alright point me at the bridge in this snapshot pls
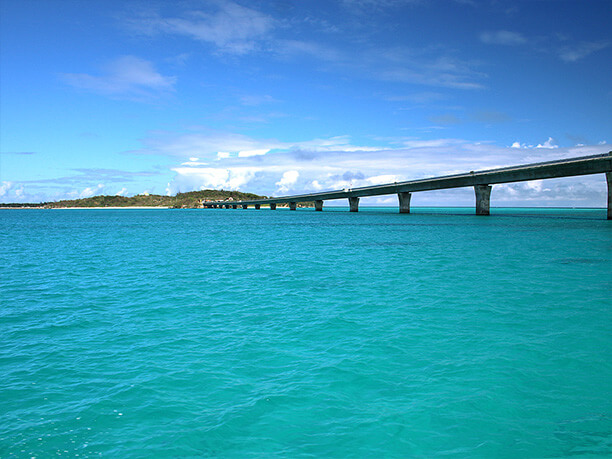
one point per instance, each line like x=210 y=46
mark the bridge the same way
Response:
x=482 y=182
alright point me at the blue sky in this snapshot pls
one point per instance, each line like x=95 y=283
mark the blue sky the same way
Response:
x=282 y=97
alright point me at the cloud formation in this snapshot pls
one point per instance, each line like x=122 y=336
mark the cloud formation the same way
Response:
x=288 y=179
x=550 y=144
x=91 y=191
x=229 y=27
x=5 y=187
x=502 y=37
x=335 y=163
x=126 y=77
x=238 y=30
x=581 y=50
x=430 y=69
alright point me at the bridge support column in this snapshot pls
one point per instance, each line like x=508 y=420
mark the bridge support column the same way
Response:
x=273 y=206
x=227 y=206
x=318 y=205
x=245 y=206
x=292 y=205
x=404 y=202
x=609 y=180
x=483 y=199
x=234 y=206
x=257 y=206
x=354 y=204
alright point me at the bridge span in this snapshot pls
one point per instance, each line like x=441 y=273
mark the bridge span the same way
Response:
x=482 y=182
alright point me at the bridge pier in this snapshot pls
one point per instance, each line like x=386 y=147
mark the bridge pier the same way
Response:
x=273 y=206
x=404 y=202
x=483 y=199
x=257 y=206
x=609 y=180
x=245 y=206
x=354 y=204
x=292 y=205
x=234 y=206
x=318 y=205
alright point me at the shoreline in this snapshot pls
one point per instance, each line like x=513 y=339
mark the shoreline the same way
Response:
x=284 y=207
x=91 y=208
x=109 y=207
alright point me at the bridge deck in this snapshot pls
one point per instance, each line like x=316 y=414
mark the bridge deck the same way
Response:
x=584 y=165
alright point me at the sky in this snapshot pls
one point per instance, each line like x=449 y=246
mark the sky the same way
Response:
x=283 y=97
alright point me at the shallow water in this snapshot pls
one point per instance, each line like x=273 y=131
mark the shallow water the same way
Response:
x=232 y=333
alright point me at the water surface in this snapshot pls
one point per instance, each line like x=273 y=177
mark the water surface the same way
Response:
x=232 y=333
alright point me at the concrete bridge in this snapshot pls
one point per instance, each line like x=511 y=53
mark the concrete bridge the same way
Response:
x=482 y=182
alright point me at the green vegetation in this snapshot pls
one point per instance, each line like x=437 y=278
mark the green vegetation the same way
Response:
x=191 y=199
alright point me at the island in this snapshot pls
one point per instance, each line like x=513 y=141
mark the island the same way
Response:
x=188 y=200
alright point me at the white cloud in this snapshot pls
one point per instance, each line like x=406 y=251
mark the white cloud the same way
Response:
x=502 y=37
x=207 y=145
x=382 y=179
x=5 y=188
x=288 y=179
x=121 y=192
x=236 y=29
x=258 y=152
x=127 y=77
x=224 y=145
x=571 y=191
x=422 y=67
x=581 y=50
x=336 y=163
x=15 y=192
x=91 y=191
x=417 y=143
x=194 y=163
x=230 y=27
x=299 y=48
x=197 y=178
x=550 y=143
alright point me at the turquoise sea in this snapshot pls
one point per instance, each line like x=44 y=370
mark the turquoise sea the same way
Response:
x=257 y=334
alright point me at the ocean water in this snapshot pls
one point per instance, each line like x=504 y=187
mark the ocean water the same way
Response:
x=247 y=334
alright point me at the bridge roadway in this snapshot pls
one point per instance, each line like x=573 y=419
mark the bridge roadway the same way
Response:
x=480 y=180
